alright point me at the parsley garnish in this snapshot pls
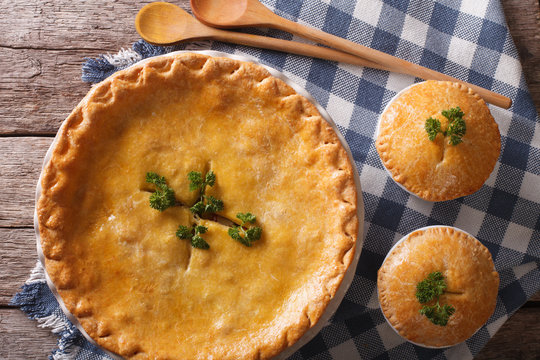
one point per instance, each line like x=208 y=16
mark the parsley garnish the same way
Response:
x=193 y=234
x=433 y=127
x=243 y=235
x=163 y=197
x=438 y=314
x=456 y=126
x=431 y=289
x=206 y=203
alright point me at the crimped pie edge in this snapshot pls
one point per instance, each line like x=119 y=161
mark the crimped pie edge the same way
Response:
x=56 y=173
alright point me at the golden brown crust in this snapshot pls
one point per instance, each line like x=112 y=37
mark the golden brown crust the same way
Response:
x=116 y=263
x=435 y=170
x=472 y=285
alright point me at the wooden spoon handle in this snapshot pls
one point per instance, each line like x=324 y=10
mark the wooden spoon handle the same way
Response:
x=384 y=60
x=292 y=47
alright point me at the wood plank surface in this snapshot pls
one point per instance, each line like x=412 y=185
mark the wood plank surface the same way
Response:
x=516 y=339
x=20 y=165
x=42 y=47
x=39 y=88
x=21 y=339
x=17 y=258
x=523 y=18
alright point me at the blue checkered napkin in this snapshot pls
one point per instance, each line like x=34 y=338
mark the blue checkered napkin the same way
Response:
x=466 y=39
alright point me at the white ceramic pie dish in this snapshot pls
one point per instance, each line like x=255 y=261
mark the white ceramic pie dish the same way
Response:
x=347 y=280
x=389 y=252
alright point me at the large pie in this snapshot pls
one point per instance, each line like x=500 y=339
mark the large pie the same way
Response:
x=136 y=288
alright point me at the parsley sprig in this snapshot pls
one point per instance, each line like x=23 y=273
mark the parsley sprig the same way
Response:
x=206 y=203
x=438 y=314
x=431 y=289
x=433 y=127
x=456 y=126
x=193 y=234
x=163 y=197
x=246 y=236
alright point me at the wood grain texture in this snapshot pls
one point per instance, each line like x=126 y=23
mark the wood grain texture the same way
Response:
x=20 y=165
x=523 y=18
x=516 y=339
x=42 y=47
x=535 y=300
x=20 y=338
x=39 y=88
x=17 y=258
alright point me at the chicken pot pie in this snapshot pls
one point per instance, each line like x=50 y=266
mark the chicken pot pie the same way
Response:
x=438 y=140
x=141 y=291
x=438 y=286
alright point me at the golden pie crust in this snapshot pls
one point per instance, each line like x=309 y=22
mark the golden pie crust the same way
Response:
x=139 y=291
x=436 y=170
x=472 y=285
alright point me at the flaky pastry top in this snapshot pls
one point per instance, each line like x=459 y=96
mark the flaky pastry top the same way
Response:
x=143 y=293
x=436 y=170
x=471 y=279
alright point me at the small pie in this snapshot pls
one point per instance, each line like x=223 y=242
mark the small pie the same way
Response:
x=471 y=285
x=436 y=170
x=136 y=288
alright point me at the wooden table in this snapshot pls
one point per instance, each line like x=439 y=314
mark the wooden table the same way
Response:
x=43 y=44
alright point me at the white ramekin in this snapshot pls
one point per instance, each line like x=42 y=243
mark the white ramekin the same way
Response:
x=386 y=257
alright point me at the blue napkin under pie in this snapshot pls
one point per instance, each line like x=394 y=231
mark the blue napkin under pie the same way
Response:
x=465 y=39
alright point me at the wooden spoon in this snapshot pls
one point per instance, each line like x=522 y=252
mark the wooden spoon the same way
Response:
x=162 y=23
x=245 y=13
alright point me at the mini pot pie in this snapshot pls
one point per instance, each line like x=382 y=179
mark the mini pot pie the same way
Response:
x=438 y=140
x=437 y=286
x=136 y=288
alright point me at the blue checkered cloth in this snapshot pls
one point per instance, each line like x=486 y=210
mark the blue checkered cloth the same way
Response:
x=466 y=39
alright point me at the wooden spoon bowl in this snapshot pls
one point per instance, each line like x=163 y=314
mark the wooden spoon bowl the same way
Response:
x=222 y=14
x=164 y=23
